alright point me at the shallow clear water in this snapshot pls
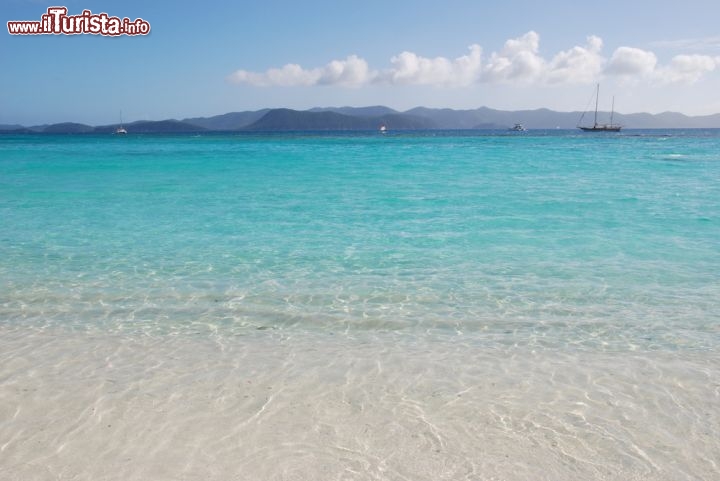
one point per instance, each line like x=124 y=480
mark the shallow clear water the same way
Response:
x=404 y=306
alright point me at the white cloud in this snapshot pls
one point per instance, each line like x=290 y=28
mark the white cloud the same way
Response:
x=519 y=61
x=410 y=68
x=287 y=76
x=577 y=65
x=353 y=71
x=629 y=61
x=688 y=68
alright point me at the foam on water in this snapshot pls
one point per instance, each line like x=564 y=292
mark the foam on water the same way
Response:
x=452 y=306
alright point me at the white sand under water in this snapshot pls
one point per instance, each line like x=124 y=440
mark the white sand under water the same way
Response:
x=285 y=405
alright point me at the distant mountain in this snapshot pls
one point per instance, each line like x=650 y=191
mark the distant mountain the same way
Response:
x=423 y=118
x=288 y=120
x=61 y=128
x=549 y=119
x=669 y=120
x=140 y=127
x=229 y=121
x=318 y=118
x=39 y=128
x=153 y=127
x=68 y=128
x=21 y=130
x=405 y=121
x=373 y=111
x=452 y=119
x=484 y=117
x=370 y=118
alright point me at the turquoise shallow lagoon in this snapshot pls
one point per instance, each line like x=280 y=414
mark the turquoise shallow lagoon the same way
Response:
x=448 y=305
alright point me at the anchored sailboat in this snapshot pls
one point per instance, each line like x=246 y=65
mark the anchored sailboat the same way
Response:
x=121 y=130
x=596 y=127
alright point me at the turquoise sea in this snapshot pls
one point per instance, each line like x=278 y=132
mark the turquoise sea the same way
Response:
x=408 y=306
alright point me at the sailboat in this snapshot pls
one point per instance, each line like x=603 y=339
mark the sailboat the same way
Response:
x=596 y=127
x=121 y=130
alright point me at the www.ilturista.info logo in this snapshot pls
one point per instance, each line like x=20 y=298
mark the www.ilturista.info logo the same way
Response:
x=57 y=22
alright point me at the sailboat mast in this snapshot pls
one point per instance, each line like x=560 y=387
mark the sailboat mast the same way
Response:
x=597 y=96
x=611 y=127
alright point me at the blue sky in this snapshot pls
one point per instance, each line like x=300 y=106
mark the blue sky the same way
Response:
x=212 y=57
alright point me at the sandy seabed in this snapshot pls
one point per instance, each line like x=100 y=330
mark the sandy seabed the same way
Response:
x=284 y=405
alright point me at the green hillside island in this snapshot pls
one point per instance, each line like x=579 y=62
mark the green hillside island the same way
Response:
x=371 y=118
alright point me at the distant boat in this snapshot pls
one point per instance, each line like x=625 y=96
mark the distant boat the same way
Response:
x=596 y=127
x=383 y=128
x=120 y=130
x=518 y=128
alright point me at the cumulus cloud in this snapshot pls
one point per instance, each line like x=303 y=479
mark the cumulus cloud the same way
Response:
x=629 y=61
x=287 y=76
x=410 y=68
x=688 y=68
x=518 y=61
x=577 y=65
x=351 y=72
